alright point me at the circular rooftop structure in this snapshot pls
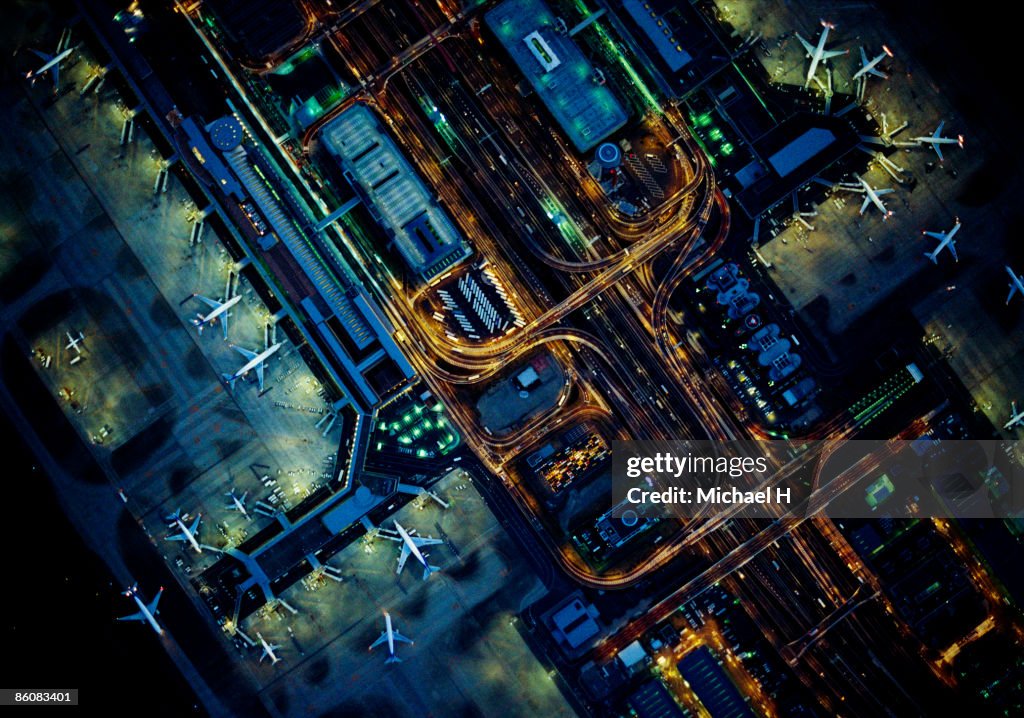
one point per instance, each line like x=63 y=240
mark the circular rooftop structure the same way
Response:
x=225 y=133
x=609 y=155
x=629 y=518
x=363 y=496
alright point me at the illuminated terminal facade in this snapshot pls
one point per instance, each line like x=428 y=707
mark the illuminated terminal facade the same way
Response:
x=586 y=109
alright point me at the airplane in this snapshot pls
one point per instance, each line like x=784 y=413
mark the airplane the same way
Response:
x=819 y=53
x=411 y=546
x=255 y=362
x=268 y=649
x=868 y=67
x=1016 y=284
x=220 y=309
x=936 y=139
x=390 y=636
x=945 y=240
x=73 y=342
x=1016 y=417
x=51 y=63
x=871 y=195
x=185 y=533
x=237 y=502
x=147 y=611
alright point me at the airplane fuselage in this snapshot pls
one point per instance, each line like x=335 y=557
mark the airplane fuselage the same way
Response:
x=411 y=545
x=391 y=633
x=1016 y=284
x=150 y=618
x=239 y=506
x=256 y=361
x=268 y=650
x=208 y=318
x=56 y=60
x=869 y=67
x=947 y=238
x=189 y=536
x=873 y=195
x=817 y=55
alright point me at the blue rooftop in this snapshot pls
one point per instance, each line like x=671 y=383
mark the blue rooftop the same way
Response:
x=800 y=150
x=561 y=76
x=660 y=34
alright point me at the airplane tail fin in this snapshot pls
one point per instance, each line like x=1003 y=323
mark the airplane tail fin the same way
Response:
x=932 y=256
x=428 y=569
x=393 y=659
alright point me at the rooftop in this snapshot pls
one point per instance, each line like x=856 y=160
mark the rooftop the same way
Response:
x=422 y=231
x=560 y=74
x=711 y=684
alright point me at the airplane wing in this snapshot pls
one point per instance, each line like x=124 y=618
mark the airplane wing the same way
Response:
x=41 y=55
x=399 y=637
x=952 y=250
x=211 y=303
x=832 y=53
x=194 y=526
x=137 y=616
x=938 y=130
x=863 y=58
x=807 y=46
x=938 y=150
x=864 y=205
x=55 y=74
x=936 y=235
x=177 y=537
x=382 y=640
x=244 y=352
x=224 y=324
x=403 y=557
x=153 y=605
x=421 y=541
x=259 y=374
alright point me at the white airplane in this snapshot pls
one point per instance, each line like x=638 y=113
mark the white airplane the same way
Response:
x=1016 y=417
x=819 y=53
x=390 y=636
x=945 y=240
x=51 y=63
x=936 y=139
x=237 y=502
x=268 y=649
x=147 y=611
x=220 y=309
x=255 y=362
x=411 y=546
x=185 y=533
x=73 y=342
x=869 y=67
x=871 y=195
x=1016 y=284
